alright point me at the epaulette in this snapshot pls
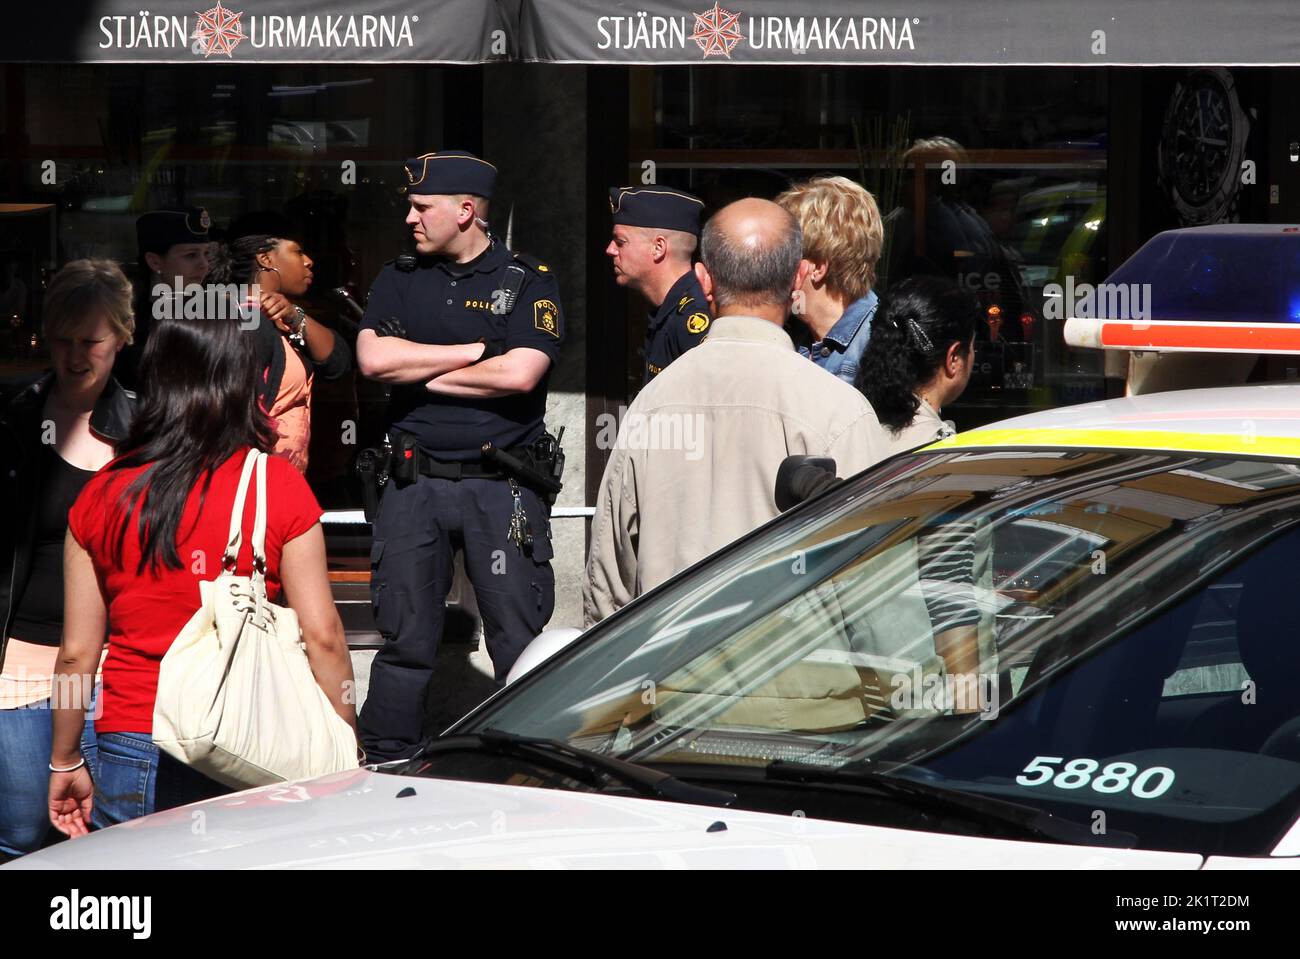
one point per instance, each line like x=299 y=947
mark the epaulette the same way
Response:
x=534 y=264
x=406 y=263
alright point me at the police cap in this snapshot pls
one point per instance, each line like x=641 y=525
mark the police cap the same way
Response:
x=448 y=173
x=159 y=230
x=656 y=207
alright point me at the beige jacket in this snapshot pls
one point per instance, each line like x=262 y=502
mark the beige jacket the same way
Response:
x=694 y=466
x=926 y=427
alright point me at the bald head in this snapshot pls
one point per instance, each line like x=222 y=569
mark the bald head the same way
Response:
x=751 y=250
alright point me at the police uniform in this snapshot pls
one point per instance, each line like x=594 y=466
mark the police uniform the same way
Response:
x=420 y=524
x=156 y=232
x=679 y=322
x=683 y=318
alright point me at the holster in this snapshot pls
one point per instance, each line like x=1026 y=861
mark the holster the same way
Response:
x=373 y=466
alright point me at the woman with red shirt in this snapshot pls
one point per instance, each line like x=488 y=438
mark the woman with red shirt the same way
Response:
x=143 y=534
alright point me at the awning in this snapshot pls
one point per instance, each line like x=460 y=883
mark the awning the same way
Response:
x=258 y=31
x=934 y=32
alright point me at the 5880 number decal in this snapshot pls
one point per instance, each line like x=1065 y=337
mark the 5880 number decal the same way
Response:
x=1149 y=783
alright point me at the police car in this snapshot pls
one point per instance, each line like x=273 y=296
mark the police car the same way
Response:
x=1070 y=639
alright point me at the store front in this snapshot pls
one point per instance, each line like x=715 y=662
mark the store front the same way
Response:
x=1023 y=150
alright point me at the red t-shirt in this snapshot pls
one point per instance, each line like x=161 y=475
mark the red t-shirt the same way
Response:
x=146 y=612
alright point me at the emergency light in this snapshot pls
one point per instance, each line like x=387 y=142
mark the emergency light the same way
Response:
x=1229 y=288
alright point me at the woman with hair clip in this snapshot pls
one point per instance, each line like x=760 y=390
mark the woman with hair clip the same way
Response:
x=142 y=536
x=292 y=348
x=919 y=359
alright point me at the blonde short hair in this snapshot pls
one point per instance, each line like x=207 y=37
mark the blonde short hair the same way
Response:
x=84 y=289
x=480 y=204
x=680 y=243
x=842 y=228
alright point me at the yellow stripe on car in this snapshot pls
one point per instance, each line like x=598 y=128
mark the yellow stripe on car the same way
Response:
x=1245 y=443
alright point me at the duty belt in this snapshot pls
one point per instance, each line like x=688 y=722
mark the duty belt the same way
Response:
x=439 y=469
x=409 y=460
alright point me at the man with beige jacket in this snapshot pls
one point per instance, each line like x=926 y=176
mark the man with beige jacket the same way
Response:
x=695 y=463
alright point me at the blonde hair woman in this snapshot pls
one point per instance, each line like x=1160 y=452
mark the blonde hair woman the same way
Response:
x=54 y=436
x=843 y=236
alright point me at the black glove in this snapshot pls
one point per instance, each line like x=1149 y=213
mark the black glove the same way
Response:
x=390 y=326
x=491 y=348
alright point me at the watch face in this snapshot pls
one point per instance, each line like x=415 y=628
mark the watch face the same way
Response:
x=1199 y=138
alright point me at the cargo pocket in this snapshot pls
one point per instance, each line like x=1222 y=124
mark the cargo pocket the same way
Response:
x=542 y=577
x=378 y=587
x=539 y=524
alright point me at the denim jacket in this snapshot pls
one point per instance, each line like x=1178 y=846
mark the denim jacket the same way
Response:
x=840 y=351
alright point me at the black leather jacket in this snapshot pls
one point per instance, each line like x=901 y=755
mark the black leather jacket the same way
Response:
x=21 y=466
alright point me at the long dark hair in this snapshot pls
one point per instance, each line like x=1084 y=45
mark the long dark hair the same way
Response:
x=236 y=261
x=916 y=323
x=198 y=409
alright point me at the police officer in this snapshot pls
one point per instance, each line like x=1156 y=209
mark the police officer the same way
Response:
x=466 y=333
x=655 y=233
x=174 y=248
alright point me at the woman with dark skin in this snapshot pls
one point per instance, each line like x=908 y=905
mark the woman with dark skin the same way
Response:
x=292 y=347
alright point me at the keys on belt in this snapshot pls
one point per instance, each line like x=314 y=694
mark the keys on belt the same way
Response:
x=519 y=533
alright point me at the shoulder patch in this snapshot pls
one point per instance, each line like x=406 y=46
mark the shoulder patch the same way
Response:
x=534 y=264
x=697 y=323
x=684 y=302
x=546 y=317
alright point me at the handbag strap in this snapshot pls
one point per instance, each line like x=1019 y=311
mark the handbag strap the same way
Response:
x=259 y=520
x=235 y=540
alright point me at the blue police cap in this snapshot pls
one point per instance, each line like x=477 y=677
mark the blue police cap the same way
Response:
x=656 y=207
x=159 y=230
x=450 y=172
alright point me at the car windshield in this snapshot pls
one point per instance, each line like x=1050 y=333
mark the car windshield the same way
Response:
x=1108 y=638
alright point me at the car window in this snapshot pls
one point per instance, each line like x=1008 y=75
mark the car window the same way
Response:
x=1098 y=634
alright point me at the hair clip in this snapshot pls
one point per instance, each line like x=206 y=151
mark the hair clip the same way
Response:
x=918 y=334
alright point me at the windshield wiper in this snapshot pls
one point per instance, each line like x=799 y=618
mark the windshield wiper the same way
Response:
x=973 y=807
x=566 y=758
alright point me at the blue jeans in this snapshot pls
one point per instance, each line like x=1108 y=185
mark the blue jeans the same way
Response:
x=26 y=735
x=134 y=778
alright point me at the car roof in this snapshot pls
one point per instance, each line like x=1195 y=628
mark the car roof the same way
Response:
x=1255 y=420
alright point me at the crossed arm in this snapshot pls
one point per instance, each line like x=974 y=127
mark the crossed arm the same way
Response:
x=517 y=371
x=391 y=359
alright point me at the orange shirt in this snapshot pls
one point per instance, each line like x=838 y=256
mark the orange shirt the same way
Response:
x=291 y=410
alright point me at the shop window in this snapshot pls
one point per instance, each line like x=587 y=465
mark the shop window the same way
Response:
x=993 y=177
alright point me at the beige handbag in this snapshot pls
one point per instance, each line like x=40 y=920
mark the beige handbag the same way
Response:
x=237 y=700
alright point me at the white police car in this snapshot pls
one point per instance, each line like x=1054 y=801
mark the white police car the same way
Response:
x=1071 y=639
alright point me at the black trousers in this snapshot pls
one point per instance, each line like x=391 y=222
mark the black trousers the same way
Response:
x=416 y=532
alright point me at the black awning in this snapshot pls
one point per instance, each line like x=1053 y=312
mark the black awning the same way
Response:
x=258 y=31
x=932 y=32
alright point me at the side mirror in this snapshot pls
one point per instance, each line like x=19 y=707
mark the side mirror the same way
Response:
x=801 y=477
x=545 y=645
